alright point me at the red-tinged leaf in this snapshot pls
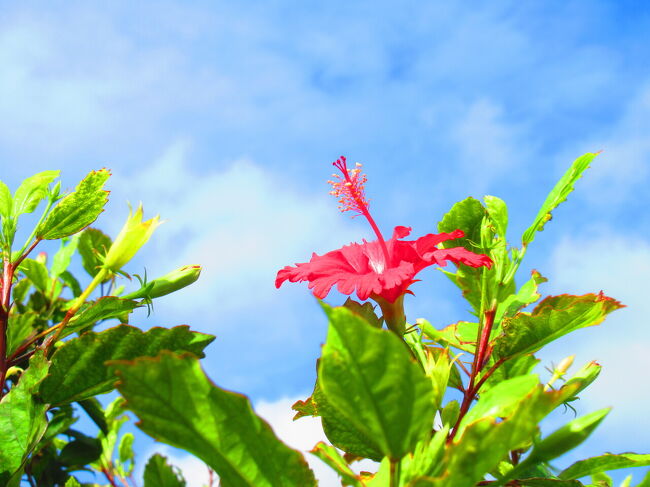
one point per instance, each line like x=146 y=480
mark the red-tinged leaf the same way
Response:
x=551 y=319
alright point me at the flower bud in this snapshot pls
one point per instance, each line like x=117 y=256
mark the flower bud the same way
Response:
x=132 y=237
x=175 y=280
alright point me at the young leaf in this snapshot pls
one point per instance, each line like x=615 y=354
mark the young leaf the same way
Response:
x=77 y=210
x=6 y=203
x=36 y=272
x=466 y=215
x=552 y=318
x=178 y=405
x=331 y=457
x=18 y=329
x=105 y=308
x=367 y=374
x=22 y=419
x=158 y=473
x=557 y=195
x=604 y=463
x=61 y=259
x=93 y=243
x=78 y=369
x=498 y=213
x=31 y=191
x=526 y=295
x=567 y=437
x=501 y=400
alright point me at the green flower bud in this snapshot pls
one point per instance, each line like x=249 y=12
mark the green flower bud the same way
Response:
x=132 y=237
x=175 y=280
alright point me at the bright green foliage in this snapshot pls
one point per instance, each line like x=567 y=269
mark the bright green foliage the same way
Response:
x=498 y=213
x=461 y=335
x=72 y=482
x=567 y=437
x=77 y=210
x=333 y=458
x=558 y=195
x=32 y=190
x=604 y=463
x=93 y=246
x=5 y=201
x=526 y=295
x=37 y=273
x=169 y=283
x=79 y=370
x=368 y=375
x=19 y=328
x=177 y=404
x=551 y=319
x=22 y=420
x=105 y=308
x=62 y=258
x=158 y=473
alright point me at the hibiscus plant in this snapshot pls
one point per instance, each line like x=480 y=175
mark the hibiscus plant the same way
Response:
x=440 y=406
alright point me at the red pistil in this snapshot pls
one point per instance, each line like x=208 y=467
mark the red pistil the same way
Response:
x=351 y=195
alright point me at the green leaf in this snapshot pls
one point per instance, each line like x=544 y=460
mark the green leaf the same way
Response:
x=542 y=482
x=425 y=460
x=36 y=272
x=81 y=451
x=331 y=457
x=178 y=405
x=72 y=482
x=365 y=310
x=158 y=473
x=557 y=195
x=22 y=419
x=6 y=201
x=604 y=463
x=526 y=295
x=125 y=448
x=462 y=467
x=77 y=210
x=501 y=400
x=461 y=335
x=105 y=308
x=61 y=259
x=567 y=437
x=466 y=215
x=646 y=481
x=449 y=414
x=552 y=318
x=95 y=412
x=498 y=213
x=71 y=281
x=93 y=246
x=31 y=191
x=367 y=374
x=78 y=369
x=20 y=326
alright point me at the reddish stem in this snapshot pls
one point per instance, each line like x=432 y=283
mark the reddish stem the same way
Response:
x=5 y=302
x=480 y=356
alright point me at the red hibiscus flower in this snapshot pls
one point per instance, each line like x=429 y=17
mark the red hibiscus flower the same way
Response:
x=381 y=270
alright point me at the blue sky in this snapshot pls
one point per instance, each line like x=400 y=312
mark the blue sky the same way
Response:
x=224 y=118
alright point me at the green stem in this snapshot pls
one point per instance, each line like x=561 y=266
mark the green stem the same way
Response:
x=36 y=228
x=99 y=277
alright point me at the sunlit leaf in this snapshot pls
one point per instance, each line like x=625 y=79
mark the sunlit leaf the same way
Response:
x=368 y=376
x=79 y=370
x=22 y=419
x=31 y=191
x=158 y=473
x=552 y=318
x=558 y=195
x=77 y=210
x=177 y=404
x=604 y=463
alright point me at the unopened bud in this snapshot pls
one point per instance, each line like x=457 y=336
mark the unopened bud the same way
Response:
x=565 y=364
x=41 y=258
x=168 y=283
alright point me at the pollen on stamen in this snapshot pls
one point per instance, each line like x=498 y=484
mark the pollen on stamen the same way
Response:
x=350 y=189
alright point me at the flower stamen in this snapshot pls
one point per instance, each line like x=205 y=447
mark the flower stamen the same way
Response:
x=350 y=192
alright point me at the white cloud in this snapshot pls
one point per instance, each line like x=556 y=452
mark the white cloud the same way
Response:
x=489 y=146
x=623 y=169
x=620 y=268
x=241 y=223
